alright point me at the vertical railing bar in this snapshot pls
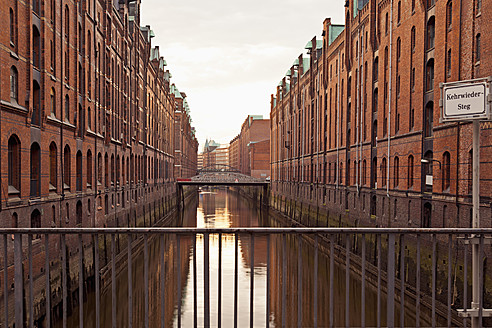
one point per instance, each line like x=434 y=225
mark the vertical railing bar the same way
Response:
x=450 y=260
x=284 y=278
x=31 y=282
x=130 y=282
x=96 y=272
x=363 y=283
x=146 y=280
x=163 y=284
x=5 y=280
x=268 y=284
x=402 y=281
x=206 y=279
x=315 y=282
x=417 y=300
x=113 y=281
x=465 y=280
x=379 y=282
x=252 y=282
x=390 y=306
x=64 y=279
x=48 y=282
x=195 y=287
x=178 y=250
x=347 y=280
x=332 y=277
x=434 y=269
x=219 y=284
x=236 y=264
x=480 y=279
x=299 y=281
x=81 y=282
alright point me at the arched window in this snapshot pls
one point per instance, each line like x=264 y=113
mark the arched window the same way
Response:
x=81 y=123
x=67 y=109
x=78 y=210
x=364 y=170
x=375 y=69
x=112 y=169
x=118 y=170
x=35 y=169
x=429 y=75
x=106 y=171
x=36 y=222
x=446 y=173
x=53 y=102
x=36 y=47
x=67 y=22
x=78 y=168
x=386 y=24
x=66 y=167
x=53 y=167
x=427 y=215
x=431 y=33
x=398 y=17
x=477 y=47
x=13 y=26
x=89 y=168
x=36 y=104
x=14 y=84
x=429 y=119
x=397 y=172
x=449 y=14
x=410 y=171
x=99 y=168
x=14 y=164
x=383 y=168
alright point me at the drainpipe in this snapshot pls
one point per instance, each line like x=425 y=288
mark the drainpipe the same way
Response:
x=62 y=103
x=361 y=73
x=338 y=125
x=389 y=100
x=357 y=118
x=303 y=136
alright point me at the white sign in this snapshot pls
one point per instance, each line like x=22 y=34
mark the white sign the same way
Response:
x=428 y=180
x=462 y=102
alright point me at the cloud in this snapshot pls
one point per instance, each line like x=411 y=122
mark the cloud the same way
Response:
x=228 y=56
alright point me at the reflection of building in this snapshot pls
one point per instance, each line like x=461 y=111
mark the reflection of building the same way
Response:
x=250 y=150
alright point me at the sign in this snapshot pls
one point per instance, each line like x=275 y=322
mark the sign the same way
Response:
x=465 y=101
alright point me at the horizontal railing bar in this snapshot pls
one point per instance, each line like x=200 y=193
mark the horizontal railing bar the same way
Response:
x=157 y=230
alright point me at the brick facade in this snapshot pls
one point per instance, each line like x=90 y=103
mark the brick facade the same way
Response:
x=357 y=113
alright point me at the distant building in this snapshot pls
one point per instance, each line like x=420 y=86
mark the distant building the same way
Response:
x=250 y=150
x=215 y=154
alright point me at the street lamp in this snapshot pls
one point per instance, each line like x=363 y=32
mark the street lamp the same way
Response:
x=427 y=161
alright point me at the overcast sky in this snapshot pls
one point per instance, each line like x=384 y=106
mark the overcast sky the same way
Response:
x=228 y=56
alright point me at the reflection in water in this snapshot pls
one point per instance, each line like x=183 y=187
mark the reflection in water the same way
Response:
x=221 y=208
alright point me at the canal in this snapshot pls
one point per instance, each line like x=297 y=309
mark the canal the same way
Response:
x=223 y=208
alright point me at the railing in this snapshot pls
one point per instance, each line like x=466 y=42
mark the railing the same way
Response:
x=417 y=271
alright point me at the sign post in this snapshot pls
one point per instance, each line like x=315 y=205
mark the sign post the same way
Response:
x=470 y=101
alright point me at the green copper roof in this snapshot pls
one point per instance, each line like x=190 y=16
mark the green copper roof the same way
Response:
x=309 y=45
x=319 y=44
x=288 y=73
x=334 y=31
x=296 y=62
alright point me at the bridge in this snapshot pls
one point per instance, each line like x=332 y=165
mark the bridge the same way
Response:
x=220 y=175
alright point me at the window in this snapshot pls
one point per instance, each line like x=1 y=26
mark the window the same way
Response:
x=52 y=55
x=99 y=168
x=449 y=14
x=13 y=28
x=36 y=222
x=106 y=171
x=386 y=25
x=479 y=6
x=446 y=174
x=398 y=17
x=410 y=171
x=66 y=167
x=78 y=169
x=36 y=104
x=413 y=6
x=67 y=109
x=112 y=170
x=477 y=48
x=14 y=164
x=375 y=69
x=364 y=168
x=53 y=102
x=430 y=3
x=429 y=120
x=53 y=167
x=429 y=75
x=383 y=168
x=78 y=211
x=14 y=84
x=89 y=118
x=412 y=39
x=397 y=172
x=118 y=171
x=431 y=31
x=35 y=169
x=67 y=22
x=36 y=47
x=448 y=63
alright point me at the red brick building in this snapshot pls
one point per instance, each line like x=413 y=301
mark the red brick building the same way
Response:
x=354 y=117
x=250 y=150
